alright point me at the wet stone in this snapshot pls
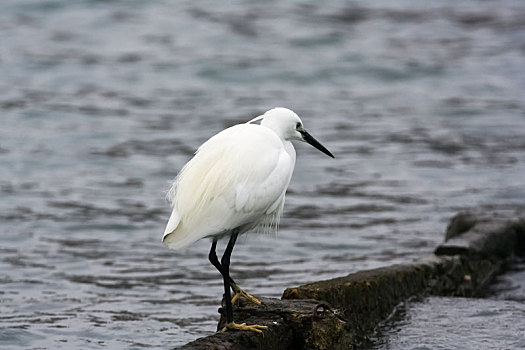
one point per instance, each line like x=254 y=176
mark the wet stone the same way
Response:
x=343 y=312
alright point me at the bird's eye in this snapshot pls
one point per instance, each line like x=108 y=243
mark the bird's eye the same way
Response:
x=298 y=125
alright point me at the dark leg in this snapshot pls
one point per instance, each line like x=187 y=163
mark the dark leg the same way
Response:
x=215 y=261
x=225 y=263
x=224 y=269
x=239 y=293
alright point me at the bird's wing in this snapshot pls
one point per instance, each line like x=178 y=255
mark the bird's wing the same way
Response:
x=173 y=222
x=232 y=181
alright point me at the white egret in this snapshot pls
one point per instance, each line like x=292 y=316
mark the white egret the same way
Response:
x=236 y=182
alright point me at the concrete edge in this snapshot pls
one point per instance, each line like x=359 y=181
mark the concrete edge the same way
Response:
x=339 y=313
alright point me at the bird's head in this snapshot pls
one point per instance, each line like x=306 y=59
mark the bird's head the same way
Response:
x=289 y=127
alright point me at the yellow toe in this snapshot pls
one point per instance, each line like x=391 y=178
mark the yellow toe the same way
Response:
x=239 y=293
x=243 y=327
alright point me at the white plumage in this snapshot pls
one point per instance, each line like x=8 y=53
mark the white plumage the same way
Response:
x=237 y=179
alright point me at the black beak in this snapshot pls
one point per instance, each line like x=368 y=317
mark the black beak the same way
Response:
x=309 y=138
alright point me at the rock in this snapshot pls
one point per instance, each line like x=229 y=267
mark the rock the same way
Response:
x=341 y=312
x=485 y=236
x=292 y=324
x=459 y=224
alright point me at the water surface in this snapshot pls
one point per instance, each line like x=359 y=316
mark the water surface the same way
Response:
x=494 y=322
x=101 y=103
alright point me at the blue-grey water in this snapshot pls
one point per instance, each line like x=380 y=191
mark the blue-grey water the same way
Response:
x=102 y=102
x=494 y=322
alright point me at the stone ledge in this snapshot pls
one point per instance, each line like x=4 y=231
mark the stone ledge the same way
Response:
x=340 y=313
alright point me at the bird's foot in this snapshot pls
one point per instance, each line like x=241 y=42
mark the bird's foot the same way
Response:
x=243 y=327
x=239 y=293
